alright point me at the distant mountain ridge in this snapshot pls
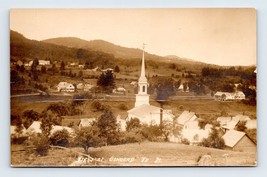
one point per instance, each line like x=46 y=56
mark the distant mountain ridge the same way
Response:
x=97 y=45
x=71 y=48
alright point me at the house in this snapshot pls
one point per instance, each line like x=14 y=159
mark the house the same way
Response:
x=86 y=122
x=14 y=133
x=241 y=118
x=65 y=87
x=224 y=120
x=119 y=90
x=185 y=117
x=56 y=128
x=44 y=62
x=230 y=125
x=225 y=96
x=148 y=114
x=81 y=66
x=181 y=88
x=107 y=69
x=41 y=62
x=251 y=124
x=238 y=141
x=193 y=133
x=239 y=95
x=35 y=127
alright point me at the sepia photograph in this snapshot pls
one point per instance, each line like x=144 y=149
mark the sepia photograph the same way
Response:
x=163 y=87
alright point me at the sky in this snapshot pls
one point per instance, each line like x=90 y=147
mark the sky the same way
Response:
x=216 y=36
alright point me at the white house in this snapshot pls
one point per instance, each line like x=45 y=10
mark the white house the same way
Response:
x=225 y=96
x=241 y=118
x=56 y=128
x=148 y=114
x=86 y=122
x=35 y=127
x=14 y=133
x=65 y=87
x=238 y=141
x=186 y=117
x=41 y=62
x=251 y=124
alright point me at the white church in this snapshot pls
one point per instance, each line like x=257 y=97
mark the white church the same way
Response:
x=146 y=113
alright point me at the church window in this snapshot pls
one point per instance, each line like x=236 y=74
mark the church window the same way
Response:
x=144 y=88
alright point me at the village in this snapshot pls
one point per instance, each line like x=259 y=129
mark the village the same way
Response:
x=138 y=111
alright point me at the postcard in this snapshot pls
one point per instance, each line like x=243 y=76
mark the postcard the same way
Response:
x=133 y=87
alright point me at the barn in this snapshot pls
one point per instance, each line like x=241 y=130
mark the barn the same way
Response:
x=238 y=141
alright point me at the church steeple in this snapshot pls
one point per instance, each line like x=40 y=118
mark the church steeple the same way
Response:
x=142 y=77
x=142 y=97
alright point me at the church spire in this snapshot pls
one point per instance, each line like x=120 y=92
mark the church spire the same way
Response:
x=142 y=97
x=142 y=77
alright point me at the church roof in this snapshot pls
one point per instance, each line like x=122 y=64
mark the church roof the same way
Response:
x=144 y=110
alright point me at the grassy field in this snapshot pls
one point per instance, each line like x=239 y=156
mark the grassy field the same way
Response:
x=143 y=154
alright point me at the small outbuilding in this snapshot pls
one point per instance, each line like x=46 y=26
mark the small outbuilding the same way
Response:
x=238 y=141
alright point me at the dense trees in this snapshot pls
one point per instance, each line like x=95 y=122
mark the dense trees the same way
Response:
x=106 y=80
x=108 y=127
x=214 y=139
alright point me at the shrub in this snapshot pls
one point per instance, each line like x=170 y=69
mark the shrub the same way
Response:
x=60 y=138
x=214 y=140
x=152 y=133
x=123 y=107
x=241 y=126
x=133 y=136
x=132 y=124
x=41 y=144
x=18 y=140
x=185 y=141
x=97 y=105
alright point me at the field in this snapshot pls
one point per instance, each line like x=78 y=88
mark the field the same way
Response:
x=143 y=154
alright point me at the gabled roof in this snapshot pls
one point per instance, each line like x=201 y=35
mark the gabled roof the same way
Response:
x=224 y=120
x=59 y=128
x=241 y=118
x=86 y=122
x=185 y=117
x=144 y=110
x=14 y=132
x=231 y=124
x=35 y=127
x=232 y=137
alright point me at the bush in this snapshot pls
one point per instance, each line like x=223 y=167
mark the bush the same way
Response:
x=214 y=140
x=133 y=136
x=97 y=105
x=152 y=133
x=133 y=124
x=41 y=144
x=18 y=140
x=185 y=141
x=60 y=138
x=123 y=107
